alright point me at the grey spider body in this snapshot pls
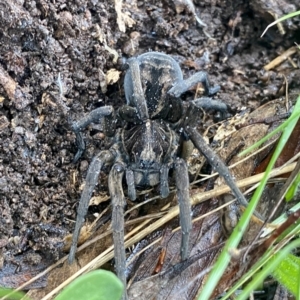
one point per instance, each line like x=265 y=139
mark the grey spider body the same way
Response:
x=148 y=146
x=158 y=126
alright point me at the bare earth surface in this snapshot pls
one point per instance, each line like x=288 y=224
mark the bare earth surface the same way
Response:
x=61 y=59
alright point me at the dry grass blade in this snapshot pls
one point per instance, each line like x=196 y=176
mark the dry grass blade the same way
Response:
x=173 y=212
x=281 y=58
x=139 y=234
x=108 y=254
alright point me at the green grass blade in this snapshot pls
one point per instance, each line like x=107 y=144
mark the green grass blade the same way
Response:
x=291 y=15
x=13 y=295
x=290 y=194
x=266 y=257
x=233 y=241
x=260 y=276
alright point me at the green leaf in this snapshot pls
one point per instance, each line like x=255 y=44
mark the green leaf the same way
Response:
x=13 y=295
x=96 y=285
x=288 y=273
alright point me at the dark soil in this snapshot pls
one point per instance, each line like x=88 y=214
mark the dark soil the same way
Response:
x=62 y=59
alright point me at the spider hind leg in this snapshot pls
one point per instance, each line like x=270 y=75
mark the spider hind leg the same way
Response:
x=182 y=184
x=90 y=183
x=118 y=204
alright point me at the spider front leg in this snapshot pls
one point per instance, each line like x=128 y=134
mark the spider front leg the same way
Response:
x=133 y=84
x=207 y=104
x=118 y=204
x=95 y=116
x=91 y=181
x=184 y=85
x=182 y=185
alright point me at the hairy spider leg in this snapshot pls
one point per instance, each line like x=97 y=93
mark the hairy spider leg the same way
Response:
x=138 y=93
x=94 y=116
x=164 y=183
x=217 y=163
x=182 y=86
x=190 y=127
x=207 y=103
x=182 y=185
x=118 y=204
x=90 y=183
x=130 y=185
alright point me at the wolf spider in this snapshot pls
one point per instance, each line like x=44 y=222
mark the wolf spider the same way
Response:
x=159 y=125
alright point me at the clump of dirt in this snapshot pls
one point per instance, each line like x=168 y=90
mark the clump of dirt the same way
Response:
x=61 y=59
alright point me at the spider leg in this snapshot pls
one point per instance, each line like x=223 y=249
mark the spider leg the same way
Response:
x=164 y=184
x=182 y=184
x=187 y=149
x=91 y=181
x=138 y=96
x=215 y=161
x=93 y=117
x=118 y=204
x=209 y=104
x=182 y=86
x=130 y=184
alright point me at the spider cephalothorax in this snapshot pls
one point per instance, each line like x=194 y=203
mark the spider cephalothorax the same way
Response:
x=158 y=125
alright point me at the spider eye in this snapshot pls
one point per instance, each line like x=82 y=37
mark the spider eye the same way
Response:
x=147 y=164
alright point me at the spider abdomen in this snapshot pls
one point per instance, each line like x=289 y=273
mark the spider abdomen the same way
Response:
x=158 y=73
